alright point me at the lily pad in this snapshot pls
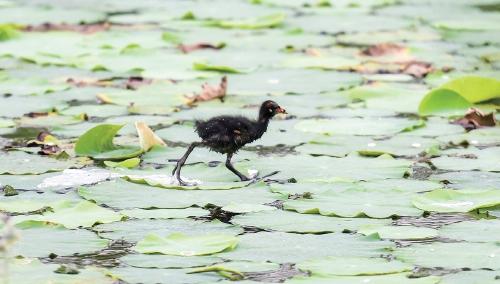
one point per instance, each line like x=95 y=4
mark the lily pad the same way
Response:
x=286 y=221
x=330 y=266
x=56 y=240
x=183 y=245
x=285 y=247
x=164 y=213
x=484 y=231
x=399 y=232
x=451 y=255
x=356 y=202
x=135 y=230
x=263 y=22
x=98 y=144
x=448 y=200
x=72 y=216
x=443 y=102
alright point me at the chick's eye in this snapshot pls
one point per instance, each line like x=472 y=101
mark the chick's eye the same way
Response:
x=270 y=110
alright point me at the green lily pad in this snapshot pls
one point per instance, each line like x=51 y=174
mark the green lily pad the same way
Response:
x=474 y=88
x=472 y=231
x=168 y=182
x=247 y=208
x=286 y=221
x=27 y=271
x=356 y=202
x=263 y=22
x=72 y=216
x=56 y=240
x=155 y=275
x=356 y=126
x=469 y=159
x=448 y=200
x=164 y=213
x=286 y=247
x=128 y=163
x=377 y=279
x=471 y=277
x=98 y=144
x=183 y=245
x=21 y=163
x=167 y=261
x=125 y=195
x=399 y=232
x=135 y=230
x=353 y=266
x=451 y=255
x=443 y=102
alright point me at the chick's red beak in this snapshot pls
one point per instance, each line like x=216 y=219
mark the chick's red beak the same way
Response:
x=281 y=110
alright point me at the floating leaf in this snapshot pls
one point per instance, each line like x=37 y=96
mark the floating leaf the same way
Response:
x=356 y=202
x=286 y=221
x=128 y=163
x=472 y=231
x=449 y=200
x=164 y=213
x=443 y=102
x=72 y=216
x=399 y=232
x=330 y=266
x=200 y=66
x=452 y=255
x=286 y=247
x=474 y=88
x=376 y=279
x=98 y=144
x=269 y=21
x=180 y=244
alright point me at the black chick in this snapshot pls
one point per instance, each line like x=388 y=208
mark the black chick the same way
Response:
x=227 y=134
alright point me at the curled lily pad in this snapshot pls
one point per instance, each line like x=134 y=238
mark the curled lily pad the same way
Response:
x=98 y=144
x=444 y=102
x=180 y=244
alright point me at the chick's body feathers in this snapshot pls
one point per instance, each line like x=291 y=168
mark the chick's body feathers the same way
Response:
x=227 y=134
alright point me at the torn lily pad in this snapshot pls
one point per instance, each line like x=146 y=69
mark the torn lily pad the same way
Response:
x=183 y=245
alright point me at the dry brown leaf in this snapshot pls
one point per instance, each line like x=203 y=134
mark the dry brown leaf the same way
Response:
x=417 y=69
x=187 y=48
x=383 y=49
x=475 y=118
x=147 y=137
x=84 y=28
x=131 y=83
x=209 y=92
x=313 y=52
